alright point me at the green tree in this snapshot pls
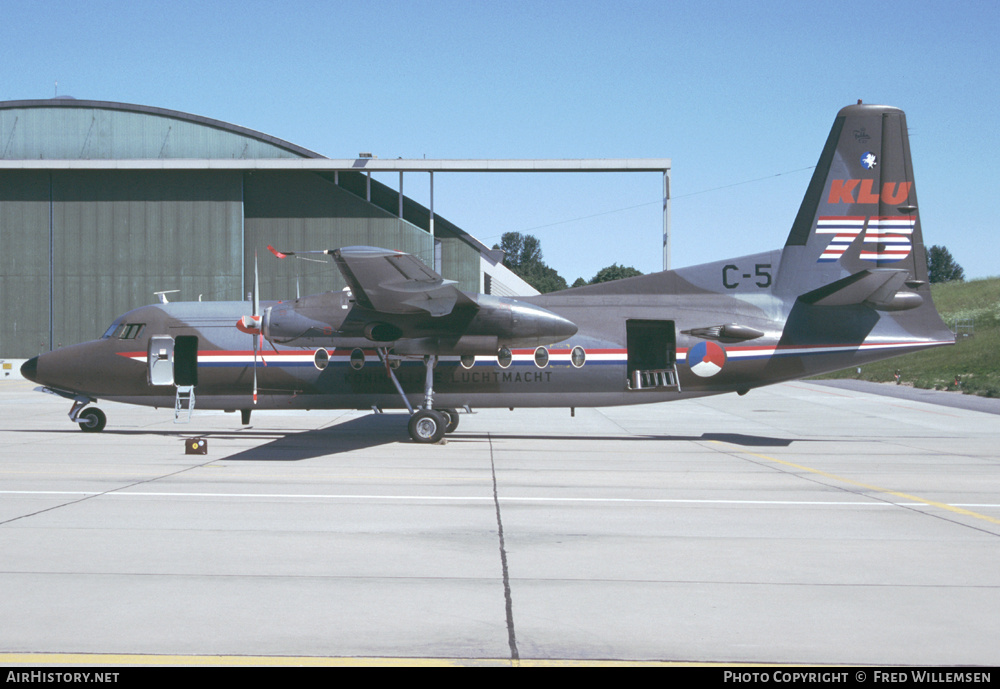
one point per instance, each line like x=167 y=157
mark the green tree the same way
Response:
x=941 y=267
x=614 y=272
x=544 y=278
x=523 y=255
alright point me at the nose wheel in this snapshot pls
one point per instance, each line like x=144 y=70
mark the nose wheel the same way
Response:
x=92 y=420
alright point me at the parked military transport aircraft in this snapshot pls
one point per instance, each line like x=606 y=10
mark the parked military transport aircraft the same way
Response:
x=849 y=287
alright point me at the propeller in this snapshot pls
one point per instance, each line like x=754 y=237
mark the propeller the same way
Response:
x=251 y=325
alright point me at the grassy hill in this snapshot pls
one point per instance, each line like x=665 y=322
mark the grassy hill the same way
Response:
x=974 y=360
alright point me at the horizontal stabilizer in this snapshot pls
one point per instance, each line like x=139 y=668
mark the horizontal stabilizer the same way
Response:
x=878 y=288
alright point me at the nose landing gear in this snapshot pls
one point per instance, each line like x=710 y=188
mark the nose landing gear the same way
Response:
x=92 y=420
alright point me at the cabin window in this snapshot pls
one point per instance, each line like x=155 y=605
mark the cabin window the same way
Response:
x=321 y=359
x=578 y=356
x=357 y=359
x=468 y=360
x=504 y=357
x=541 y=357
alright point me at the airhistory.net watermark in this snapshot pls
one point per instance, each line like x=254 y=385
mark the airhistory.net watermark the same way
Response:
x=44 y=676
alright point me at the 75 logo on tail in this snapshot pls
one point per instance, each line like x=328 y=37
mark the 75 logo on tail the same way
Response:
x=887 y=238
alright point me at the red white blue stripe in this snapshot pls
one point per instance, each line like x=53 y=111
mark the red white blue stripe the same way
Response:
x=561 y=356
x=891 y=238
x=845 y=229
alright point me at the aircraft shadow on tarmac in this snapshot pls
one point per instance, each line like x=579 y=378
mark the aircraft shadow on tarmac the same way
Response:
x=358 y=434
x=375 y=430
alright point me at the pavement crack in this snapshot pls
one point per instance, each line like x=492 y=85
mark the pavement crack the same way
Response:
x=105 y=492
x=508 y=602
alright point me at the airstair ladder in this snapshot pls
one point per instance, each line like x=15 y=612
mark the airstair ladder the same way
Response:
x=655 y=379
x=184 y=402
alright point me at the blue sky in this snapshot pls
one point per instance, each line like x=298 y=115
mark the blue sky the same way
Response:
x=740 y=95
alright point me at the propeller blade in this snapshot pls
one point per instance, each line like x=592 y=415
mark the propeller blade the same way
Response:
x=256 y=288
x=297 y=254
x=255 y=370
x=256 y=321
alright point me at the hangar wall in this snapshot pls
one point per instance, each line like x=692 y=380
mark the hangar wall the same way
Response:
x=25 y=212
x=304 y=210
x=80 y=247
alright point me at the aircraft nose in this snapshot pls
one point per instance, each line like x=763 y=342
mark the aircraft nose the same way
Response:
x=29 y=369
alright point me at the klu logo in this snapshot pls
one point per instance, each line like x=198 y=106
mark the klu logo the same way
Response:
x=842 y=191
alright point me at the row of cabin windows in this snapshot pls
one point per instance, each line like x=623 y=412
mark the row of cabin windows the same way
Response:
x=577 y=357
x=505 y=358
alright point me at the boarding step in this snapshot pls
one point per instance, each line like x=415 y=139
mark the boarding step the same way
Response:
x=184 y=403
x=655 y=379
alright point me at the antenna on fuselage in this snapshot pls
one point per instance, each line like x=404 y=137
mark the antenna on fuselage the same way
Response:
x=162 y=296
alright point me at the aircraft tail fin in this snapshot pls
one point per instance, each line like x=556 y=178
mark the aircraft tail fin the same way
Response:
x=860 y=211
x=855 y=260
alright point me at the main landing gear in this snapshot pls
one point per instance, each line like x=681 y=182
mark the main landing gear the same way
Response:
x=427 y=424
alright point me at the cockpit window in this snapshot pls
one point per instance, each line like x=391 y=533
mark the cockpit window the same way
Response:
x=124 y=331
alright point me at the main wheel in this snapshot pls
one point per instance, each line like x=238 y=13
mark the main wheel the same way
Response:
x=92 y=420
x=451 y=416
x=427 y=426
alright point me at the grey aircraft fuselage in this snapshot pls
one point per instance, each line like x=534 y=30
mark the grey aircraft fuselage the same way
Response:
x=849 y=287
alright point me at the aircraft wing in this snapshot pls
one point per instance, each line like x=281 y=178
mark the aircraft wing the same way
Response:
x=395 y=282
x=399 y=299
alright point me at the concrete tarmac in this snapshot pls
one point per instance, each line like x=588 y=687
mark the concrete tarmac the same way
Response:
x=798 y=524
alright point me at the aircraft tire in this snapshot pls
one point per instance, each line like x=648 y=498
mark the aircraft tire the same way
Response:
x=92 y=420
x=451 y=416
x=427 y=426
